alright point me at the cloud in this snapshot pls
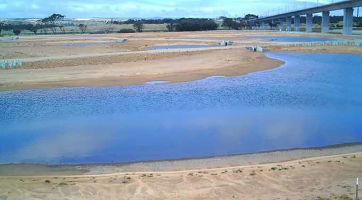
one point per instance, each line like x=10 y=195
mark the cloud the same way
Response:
x=144 y=8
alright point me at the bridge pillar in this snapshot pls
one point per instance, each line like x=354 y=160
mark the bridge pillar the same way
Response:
x=262 y=27
x=268 y=27
x=273 y=23
x=281 y=24
x=325 y=21
x=309 y=23
x=296 y=23
x=289 y=23
x=348 y=21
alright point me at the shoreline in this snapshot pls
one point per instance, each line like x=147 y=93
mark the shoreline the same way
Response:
x=239 y=62
x=179 y=165
x=262 y=63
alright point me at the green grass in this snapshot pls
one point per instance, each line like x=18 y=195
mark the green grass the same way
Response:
x=62 y=184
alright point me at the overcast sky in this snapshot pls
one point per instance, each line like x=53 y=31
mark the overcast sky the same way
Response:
x=146 y=8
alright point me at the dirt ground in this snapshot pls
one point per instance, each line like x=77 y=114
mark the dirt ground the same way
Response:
x=98 y=60
x=330 y=177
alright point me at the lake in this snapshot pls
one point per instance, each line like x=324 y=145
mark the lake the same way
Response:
x=313 y=100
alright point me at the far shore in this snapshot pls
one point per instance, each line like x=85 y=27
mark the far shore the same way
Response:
x=48 y=65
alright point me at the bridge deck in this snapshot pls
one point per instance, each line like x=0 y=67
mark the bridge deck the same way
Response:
x=318 y=9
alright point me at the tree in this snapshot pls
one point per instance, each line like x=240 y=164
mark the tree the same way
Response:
x=228 y=23
x=34 y=29
x=61 y=27
x=171 y=27
x=17 y=31
x=189 y=24
x=139 y=26
x=251 y=17
x=82 y=28
x=273 y=25
x=1 y=26
x=52 y=22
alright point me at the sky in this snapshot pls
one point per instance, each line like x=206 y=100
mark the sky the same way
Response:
x=147 y=8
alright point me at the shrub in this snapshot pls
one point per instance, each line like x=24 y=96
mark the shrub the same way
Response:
x=17 y=31
x=83 y=28
x=62 y=184
x=126 y=31
x=139 y=26
x=46 y=181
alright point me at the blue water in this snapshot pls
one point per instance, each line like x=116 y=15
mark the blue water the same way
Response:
x=293 y=38
x=156 y=82
x=313 y=100
x=182 y=47
x=7 y=40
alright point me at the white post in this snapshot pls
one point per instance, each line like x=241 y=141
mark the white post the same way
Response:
x=357 y=183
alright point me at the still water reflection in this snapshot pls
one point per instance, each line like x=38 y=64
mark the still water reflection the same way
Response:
x=313 y=100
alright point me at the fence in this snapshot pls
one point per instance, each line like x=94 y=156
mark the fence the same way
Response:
x=10 y=64
x=328 y=43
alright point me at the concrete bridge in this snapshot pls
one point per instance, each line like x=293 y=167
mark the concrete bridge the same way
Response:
x=346 y=6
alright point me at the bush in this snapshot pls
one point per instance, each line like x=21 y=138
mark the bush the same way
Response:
x=126 y=31
x=62 y=184
x=139 y=26
x=196 y=25
x=17 y=31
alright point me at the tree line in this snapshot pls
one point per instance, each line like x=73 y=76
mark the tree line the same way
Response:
x=52 y=23
x=145 y=21
x=183 y=24
x=246 y=22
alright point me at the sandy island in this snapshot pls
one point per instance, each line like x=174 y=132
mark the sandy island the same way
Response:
x=47 y=63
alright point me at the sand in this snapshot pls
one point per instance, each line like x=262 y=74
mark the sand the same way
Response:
x=48 y=64
x=310 y=176
x=137 y=69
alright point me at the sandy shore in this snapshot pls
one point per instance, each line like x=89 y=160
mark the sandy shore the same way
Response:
x=136 y=69
x=327 y=173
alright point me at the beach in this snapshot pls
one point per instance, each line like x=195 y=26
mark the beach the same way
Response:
x=320 y=173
